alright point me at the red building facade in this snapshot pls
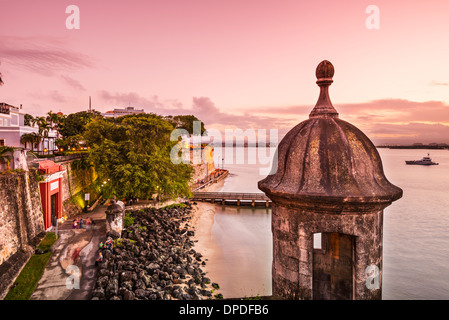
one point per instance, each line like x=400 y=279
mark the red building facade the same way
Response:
x=51 y=191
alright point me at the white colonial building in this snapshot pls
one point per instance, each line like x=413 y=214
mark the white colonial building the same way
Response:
x=12 y=127
x=121 y=112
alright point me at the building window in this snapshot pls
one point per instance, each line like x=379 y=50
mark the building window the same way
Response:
x=317 y=237
x=14 y=120
x=2 y=142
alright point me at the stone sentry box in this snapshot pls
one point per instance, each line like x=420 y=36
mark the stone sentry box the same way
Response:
x=329 y=181
x=115 y=215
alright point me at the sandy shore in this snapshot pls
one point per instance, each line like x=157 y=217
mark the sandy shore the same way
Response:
x=202 y=222
x=238 y=253
x=200 y=207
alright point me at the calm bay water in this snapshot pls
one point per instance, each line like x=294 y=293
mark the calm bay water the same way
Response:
x=416 y=231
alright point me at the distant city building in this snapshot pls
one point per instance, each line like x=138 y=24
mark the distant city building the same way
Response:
x=122 y=112
x=12 y=127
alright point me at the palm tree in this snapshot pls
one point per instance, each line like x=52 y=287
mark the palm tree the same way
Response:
x=26 y=138
x=28 y=119
x=51 y=119
x=4 y=157
x=44 y=128
x=36 y=138
x=31 y=138
x=55 y=120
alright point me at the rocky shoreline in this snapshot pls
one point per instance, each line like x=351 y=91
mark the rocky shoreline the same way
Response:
x=155 y=260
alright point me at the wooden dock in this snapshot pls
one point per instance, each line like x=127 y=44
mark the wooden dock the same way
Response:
x=233 y=198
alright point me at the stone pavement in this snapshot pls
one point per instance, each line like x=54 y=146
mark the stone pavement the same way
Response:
x=71 y=272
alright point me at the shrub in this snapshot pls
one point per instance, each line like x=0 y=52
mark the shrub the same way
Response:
x=129 y=220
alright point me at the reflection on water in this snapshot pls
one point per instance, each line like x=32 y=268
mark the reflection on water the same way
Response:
x=416 y=237
x=244 y=236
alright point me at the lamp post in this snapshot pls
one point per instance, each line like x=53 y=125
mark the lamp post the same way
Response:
x=86 y=199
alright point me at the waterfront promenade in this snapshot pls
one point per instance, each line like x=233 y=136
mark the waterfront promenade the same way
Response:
x=73 y=258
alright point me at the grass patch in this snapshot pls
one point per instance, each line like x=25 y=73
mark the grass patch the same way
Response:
x=48 y=241
x=174 y=205
x=27 y=280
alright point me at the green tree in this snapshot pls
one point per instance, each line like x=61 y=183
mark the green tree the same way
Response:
x=55 y=120
x=32 y=138
x=44 y=128
x=75 y=123
x=185 y=122
x=28 y=120
x=131 y=155
x=69 y=143
x=6 y=154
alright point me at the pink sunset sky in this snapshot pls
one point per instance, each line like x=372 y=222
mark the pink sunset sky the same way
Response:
x=234 y=63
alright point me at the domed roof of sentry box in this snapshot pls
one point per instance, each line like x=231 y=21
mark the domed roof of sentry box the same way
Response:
x=326 y=159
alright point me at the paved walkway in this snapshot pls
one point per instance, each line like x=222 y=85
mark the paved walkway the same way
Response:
x=71 y=272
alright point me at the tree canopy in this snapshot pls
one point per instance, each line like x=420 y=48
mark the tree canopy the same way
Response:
x=6 y=155
x=185 y=122
x=131 y=155
x=28 y=119
x=75 y=123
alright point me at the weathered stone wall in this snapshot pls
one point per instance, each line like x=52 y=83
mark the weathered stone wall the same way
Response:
x=293 y=251
x=207 y=165
x=21 y=217
x=72 y=184
x=200 y=173
x=69 y=208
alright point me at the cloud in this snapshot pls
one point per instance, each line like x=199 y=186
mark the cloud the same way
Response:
x=409 y=133
x=398 y=110
x=73 y=83
x=212 y=116
x=436 y=83
x=392 y=110
x=384 y=120
x=42 y=55
x=52 y=95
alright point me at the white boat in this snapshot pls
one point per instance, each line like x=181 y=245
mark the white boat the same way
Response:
x=425 y=161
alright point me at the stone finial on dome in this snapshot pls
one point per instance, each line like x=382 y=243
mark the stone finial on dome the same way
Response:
x=324 y=71
x=324 y=108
